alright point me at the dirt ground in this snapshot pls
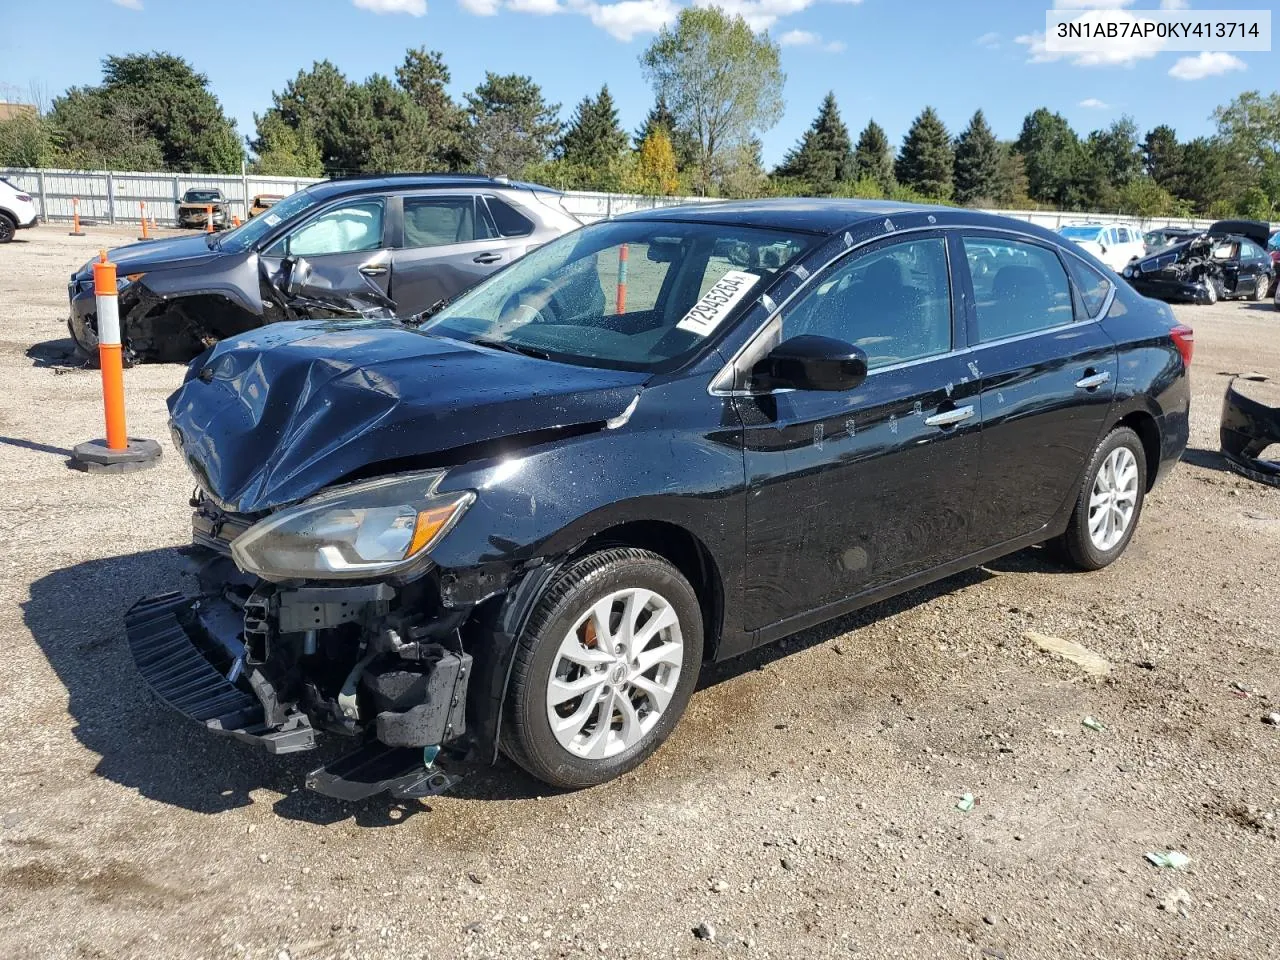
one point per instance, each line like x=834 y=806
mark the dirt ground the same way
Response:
x=805 y=807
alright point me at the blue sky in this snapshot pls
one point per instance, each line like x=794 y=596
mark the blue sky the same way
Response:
x=883 y=58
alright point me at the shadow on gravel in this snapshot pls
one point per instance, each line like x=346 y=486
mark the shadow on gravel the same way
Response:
x=1261 y=305
x=56 y=354
x=1208 y=459
x=37 y=447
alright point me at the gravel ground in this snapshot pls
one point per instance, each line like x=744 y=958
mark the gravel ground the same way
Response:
x=806 y=806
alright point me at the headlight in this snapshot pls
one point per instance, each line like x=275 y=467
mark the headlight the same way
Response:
x=362 y=530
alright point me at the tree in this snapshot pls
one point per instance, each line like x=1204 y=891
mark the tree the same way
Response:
x=1208 y=174
x=424 y=76
x=926 y=160
x=824 y=155
x=1249 y=126
x=723 y=84
x=873 y=158
x=594 y=138
x=656 y=171
x=313 y=104
x=745 y=177
x=510 y=125
x=1143 y=197
x=284 y=151
x=1117 y=151
x=978 y=158
x=1050 y=149
x=1011 y=181
x=25 y=141
x=151 y=109
x=1162 y=156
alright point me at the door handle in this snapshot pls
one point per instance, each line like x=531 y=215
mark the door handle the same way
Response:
x=949 y=418
x=374 y=269
x=487 y=258
x=1092 y=381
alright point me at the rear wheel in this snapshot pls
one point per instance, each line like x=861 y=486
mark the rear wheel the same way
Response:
x=1259 y=289
x=604 y=670
x=1109 y=503
x=8 y=227
x=1212 y=286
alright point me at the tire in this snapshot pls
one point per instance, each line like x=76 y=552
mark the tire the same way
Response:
x=564 y=625
x=1089 y=543
x=1259 y=290
x=8 y=227
x=1214 y=293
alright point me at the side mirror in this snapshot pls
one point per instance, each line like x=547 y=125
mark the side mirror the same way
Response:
x=296 y=275
x=812 y=363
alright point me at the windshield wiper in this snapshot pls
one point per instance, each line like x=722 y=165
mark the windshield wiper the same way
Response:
x=508 y=347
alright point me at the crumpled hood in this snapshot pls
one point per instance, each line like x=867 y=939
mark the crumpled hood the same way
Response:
x=272 y=416
x=158 y=255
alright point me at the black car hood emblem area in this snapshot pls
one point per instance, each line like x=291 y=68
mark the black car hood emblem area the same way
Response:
x=272 y=416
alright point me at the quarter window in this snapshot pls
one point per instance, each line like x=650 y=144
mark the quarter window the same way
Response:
x=894 y=303
x=439 y=221
x=1018 y=287
x=347 y=229
x=510 y=222
x=1091 y=284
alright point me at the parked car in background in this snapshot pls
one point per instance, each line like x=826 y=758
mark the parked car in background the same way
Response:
x=264 y=202
x=17 y=211
x=527 y=522
x=193 y=209
x=1163 y=237
x=1273 y=250
x=1115 y=246
x=1225 y=261
x=370 y=246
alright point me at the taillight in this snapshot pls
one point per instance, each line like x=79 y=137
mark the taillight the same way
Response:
x=1184 y=338
x=24 y=197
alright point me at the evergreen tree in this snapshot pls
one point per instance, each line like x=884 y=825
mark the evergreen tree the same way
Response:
x=872 y=158
x=1051 y=150
x=511 y=126
x=1011 y=180
x=424 y=77
x=824 y=155
x=926 y=161
x=978 y=158
x=1162 y=156
x=656 y=166
x=594 y=138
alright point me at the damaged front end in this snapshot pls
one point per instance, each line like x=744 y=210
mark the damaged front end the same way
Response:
x=1249 y=425
x=1184 y=271
x=275 y=663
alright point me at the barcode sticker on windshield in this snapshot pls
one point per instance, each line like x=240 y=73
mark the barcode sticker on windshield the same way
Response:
x=717 y=303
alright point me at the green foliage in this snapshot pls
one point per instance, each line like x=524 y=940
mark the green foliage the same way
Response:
x=1142 y=196
x=925 y=163
x=978 y=159
x=510 y=127
x=722 y=82
x=26 y=141
x=1162 y=156
x=656 y=170
x=745 y=177
x=594 y=139
x=1051 y=150
x=284 y=151
x=873 y=158
x=1254 y=204
x=424 y=77
x=824 y=155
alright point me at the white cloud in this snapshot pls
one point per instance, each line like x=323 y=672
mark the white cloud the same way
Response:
x=991 y=41
x=1123 y=52
x=128 y=4
x=759 y=14
x=628 y=18
x=807 y=38
x=480 y=8
x=415 y=8
x=540 y=7
x=1205 y=64
x=1174 y=4
x=1093 y=103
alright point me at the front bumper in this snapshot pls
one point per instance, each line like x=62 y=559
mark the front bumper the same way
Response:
x=1249 y=425
x=249 y=669
x=82 y=323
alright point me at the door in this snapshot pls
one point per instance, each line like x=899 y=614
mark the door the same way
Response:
x=346 y=249
x=449 y=243
x=1048 y=374
x=1227 y=254
x=1130 y=245
x=850 y=491
x=1255 y=270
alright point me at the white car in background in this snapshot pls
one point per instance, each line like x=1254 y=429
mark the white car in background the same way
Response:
x=1113 y=245
x=17 y=211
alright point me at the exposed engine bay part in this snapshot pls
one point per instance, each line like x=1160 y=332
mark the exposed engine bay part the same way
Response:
x=1249 y=425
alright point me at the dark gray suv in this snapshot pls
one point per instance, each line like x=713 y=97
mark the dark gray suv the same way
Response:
x=390 y=246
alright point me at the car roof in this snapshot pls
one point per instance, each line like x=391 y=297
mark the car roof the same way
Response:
x=344 y=186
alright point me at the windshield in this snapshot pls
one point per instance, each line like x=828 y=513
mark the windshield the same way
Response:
x=1080 y=233
x=1274 y=242
x=629 y=294
x=201 y=196
x=251 y=231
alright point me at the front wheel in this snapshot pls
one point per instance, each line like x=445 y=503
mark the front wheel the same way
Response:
x=604 y=670
x=1109 y=503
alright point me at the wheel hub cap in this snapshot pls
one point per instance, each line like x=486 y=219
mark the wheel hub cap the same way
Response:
x=615 y=673
x=1113 y=499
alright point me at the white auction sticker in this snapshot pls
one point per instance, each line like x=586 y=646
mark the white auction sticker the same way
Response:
x=716 y=303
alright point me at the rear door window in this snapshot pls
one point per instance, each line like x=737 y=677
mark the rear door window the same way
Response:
x=438 y=221
x=509 y=221
x=1018 y=287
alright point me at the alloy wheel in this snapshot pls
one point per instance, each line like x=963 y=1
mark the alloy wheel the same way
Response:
x=1113 y=499
x=615 y=673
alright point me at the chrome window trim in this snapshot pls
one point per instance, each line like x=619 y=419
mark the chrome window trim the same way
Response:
x=728 y=369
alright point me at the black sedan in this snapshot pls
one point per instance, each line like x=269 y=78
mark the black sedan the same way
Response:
x=526 y=523
x=1229 y=260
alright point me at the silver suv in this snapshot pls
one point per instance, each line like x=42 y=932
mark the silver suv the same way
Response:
x=389 y=246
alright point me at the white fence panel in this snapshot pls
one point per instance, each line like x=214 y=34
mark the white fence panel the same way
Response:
x=114 y=197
